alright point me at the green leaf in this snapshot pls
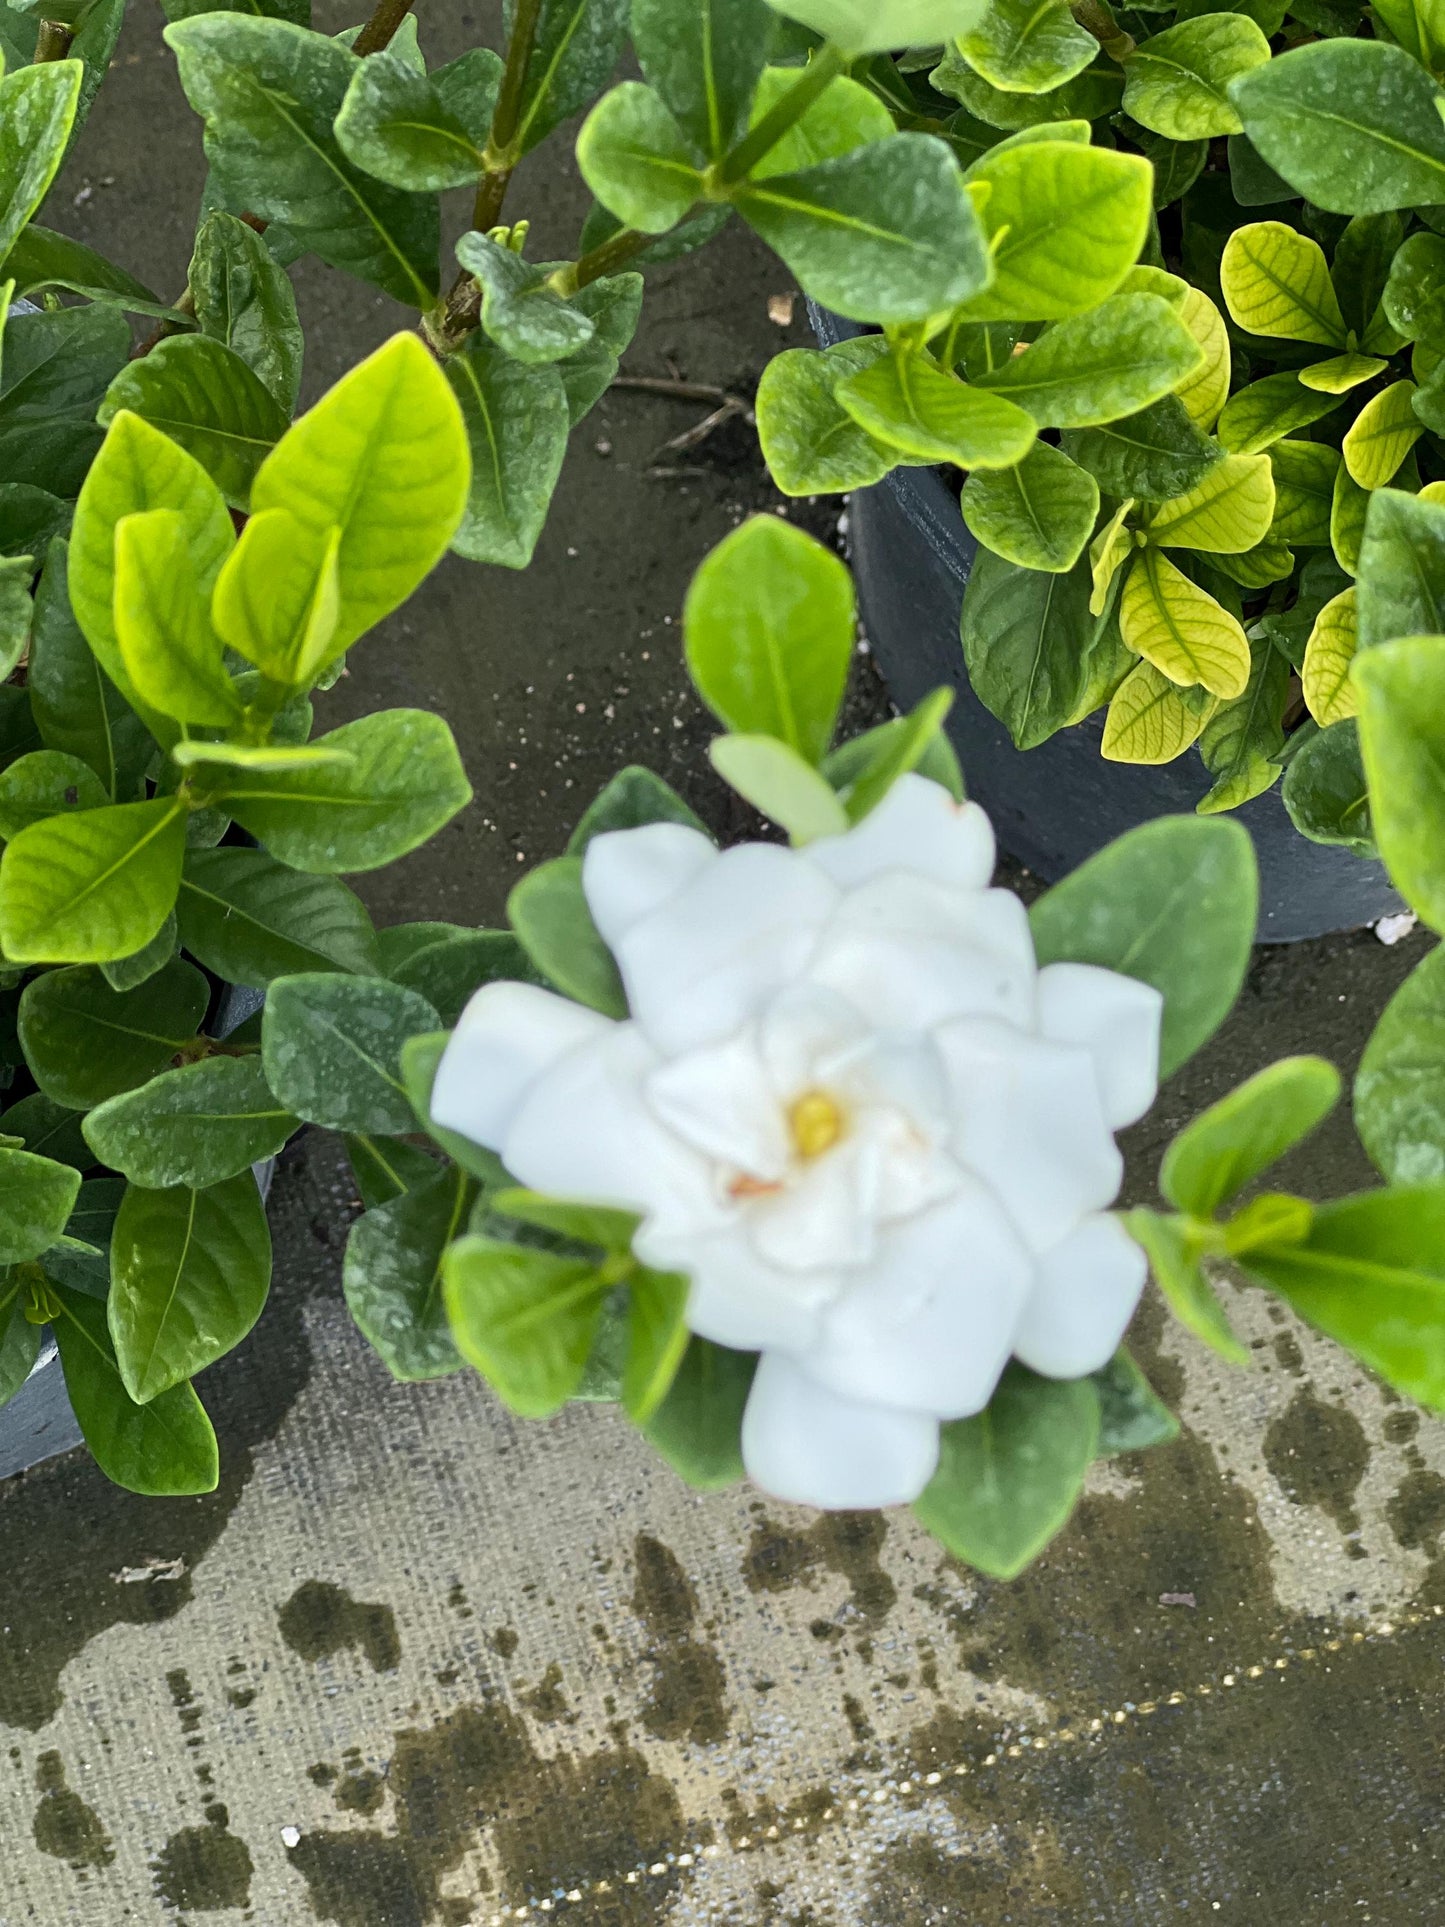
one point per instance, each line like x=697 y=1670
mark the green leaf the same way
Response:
x=138 y=469
x=37 y=111
x=768 y=628
x=705 y=61
x=1242 y=740
x=399 y=124
x=887 y=233
x=637 y=161
x=419 y=1060
x=657 y=1339
x=1417 y=274
x=781 y=784
x=1174 y=1261
x=1027 y=48
x=907 y=402
x=172 y=656
x=1236 y=1140
x=575 y=48
x=1400 y=1085
x=15 y=610
x=1038 y=514
x=1151 y=720
x=447 y=963
x=205 y=397
x=589 y=1224
x=1027 y=641
x=19 y=1341
x=1151 y=455
x=634 y=796
x=1304 y=489
x=251 y=920
x=48 y=1129
x=549 y=913
x=1129 y=351
x=78 y=710
x=1177 y=82
x=243 y=298
x=1008 y=1478
x=1230 y=510
x=867 y=767
x=1371 y=1275
x=57 y=367
x=1132 y=1417
x=124 y=973
x=90 y=886
x=1088 y=96
x=1401 y=568
x=332 y=1043
x=845 y=116
x=269 y=93
x=84 y=1042
x=1276 y=282
x=1325 y=791
x=1181 y=629
x=1347 y=519
x=42 y=784
x=195 y=1126
x=165 y=1448
x=1325 y=674
x=524 y=1318
x=393 y=1274
x=383 y=457
x=1382 y=435
x=1065 y=224
x=811 y=444
x=870 y=26
x=1173 y=904
x=41 y=259
x=517 y=421
x=1341 y=373
x=1401 y=691
x=613 y=304
x=1350 y=124
x=39 y=1196
x=698 y=1426
x=402 y=782
x=190 y=1270
x=520 y=311
x=386 y=1168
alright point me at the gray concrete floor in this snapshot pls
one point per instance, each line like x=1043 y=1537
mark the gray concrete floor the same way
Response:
x=415 y=1664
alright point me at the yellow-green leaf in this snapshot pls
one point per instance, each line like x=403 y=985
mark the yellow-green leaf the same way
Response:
x=1255 y=416
x=1340 y=373
x=1347 y=519
x=1328 y=654
x=277 y=600
x=1227 y=511
x=1304 y=486
x=1277 y=282
x=1383 y=433
x=908 y=402
x=1205 y=391
x=91 y=885
x=1107 y=553
x=172 y=655
x=1151 y=720
x=1181 y=629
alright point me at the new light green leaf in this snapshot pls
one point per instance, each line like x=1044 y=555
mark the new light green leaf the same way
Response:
x=1128 y=352
x=523 y=1318
x=1276 y=282
x=195 y=1126
x=907 y=402
x=1228 y=510
x=1177 y=82
x=1190 y=1295
x=1237 y=1139
x=190 y=1270
x=205 y=397
x=1065 y=224
x=1401 y=690
x=37 y=111
x=1382 y=435
x=1151 y=719
x=402 y=780
x=1173 y=904
x=517 y=422
x=768 y=629
x=845 y=116
x=399 y=126
x=1325 y=676
x=173 y=657
x=1350 y=124
x=1257 y=416
x=887 y=233
x=269 y=93
x=383 y=457
x=636 y=159
x=780 y=783
x=1039 y=514
x=1400 y=1085
x=92 y=886
x=277 y=600
x=1341 y=373
x=85 y=1041
x=810 y=442
x=872 y=26
x=1027 y=46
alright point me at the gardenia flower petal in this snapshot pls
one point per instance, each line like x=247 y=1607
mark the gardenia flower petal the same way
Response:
x=804 y=1443
x=706 y=960
x=931 y=1325
x=1115 y=1018
x=737 y=1298
x=508 y=1035
x=1084 y=1295
x=627 y=874
x=722 y=1101
x=585 y=1130
x=1028 y=1121
x=917 y=827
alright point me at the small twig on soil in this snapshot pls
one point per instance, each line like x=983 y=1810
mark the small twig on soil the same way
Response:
x=695 y=436
x=680 y=390
x=672 y=474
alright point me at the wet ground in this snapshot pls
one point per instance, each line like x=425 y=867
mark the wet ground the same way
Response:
x=415 y=1665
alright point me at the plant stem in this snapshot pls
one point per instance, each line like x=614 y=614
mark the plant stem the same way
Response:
x=186 y=305
x=1095 y=17
x=384 y=23
x=53 y=40
x=611 y=254
x=501 y=159
x=822 y=69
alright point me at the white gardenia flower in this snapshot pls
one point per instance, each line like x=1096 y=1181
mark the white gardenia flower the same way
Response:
x=852 y=1109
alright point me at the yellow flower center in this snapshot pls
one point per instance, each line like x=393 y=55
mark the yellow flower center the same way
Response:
x=816 y=1122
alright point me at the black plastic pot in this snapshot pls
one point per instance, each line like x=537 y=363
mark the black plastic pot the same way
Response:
x=38 y=1423
x=1056 y=805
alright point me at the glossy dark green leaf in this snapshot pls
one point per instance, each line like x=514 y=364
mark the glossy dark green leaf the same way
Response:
x=38 y=1195
x=244 y=299
x=657 y=1340
x=698 y=1426
x=78 y=710
x=85 y=1042
x=56 y=369
x=613 y=305
x=519 y=311
x=194 y=1126
x=705 y=61
x=518 y=419
x=446 y=963
x=251 y=919
x=37 y=110
x=393 y=1274
x=48 y=1129
x=332 y=1047
x=634 y=796
x=1326 y=793
x=637 y=160
x=1039 y=514
x=19 y=1340
x=574 y=50
x=397 y=124
x=549 y=913
x=1152 y=454
x=385 y=1167
x=1027 y=641
x=1401 y=573
x=206 y=397
x=124 y=973
x=45 y=783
